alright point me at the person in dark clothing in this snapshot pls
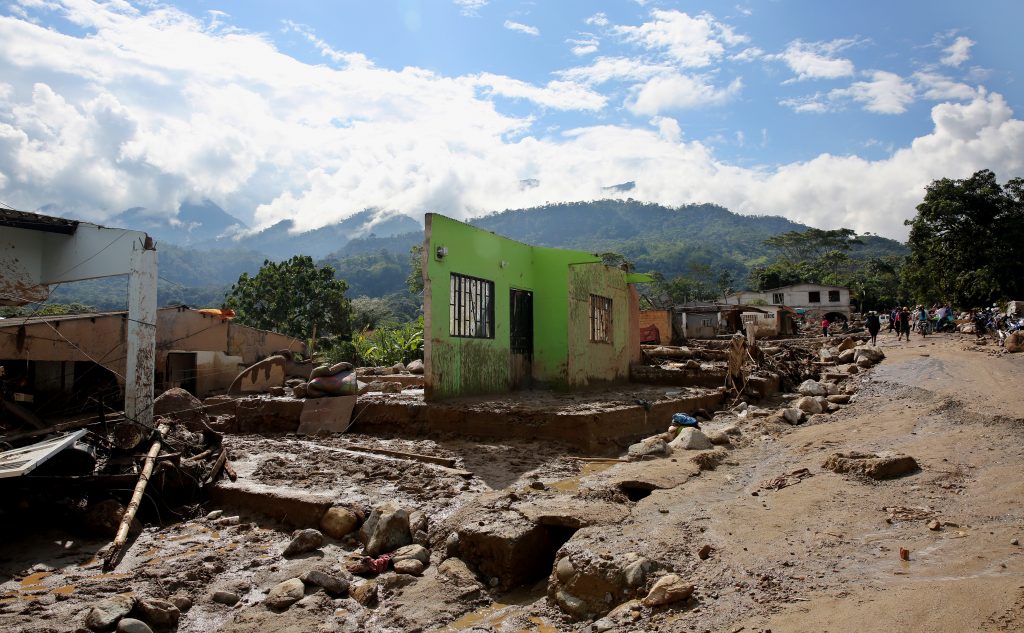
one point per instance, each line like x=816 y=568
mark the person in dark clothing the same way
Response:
x=873 y=325
x=892 y=320
x=905 y=322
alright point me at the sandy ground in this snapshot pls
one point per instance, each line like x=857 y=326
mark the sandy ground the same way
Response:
x=818 y=555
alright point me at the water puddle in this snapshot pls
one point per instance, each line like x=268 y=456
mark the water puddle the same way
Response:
x=496 y=616
x=572 y=484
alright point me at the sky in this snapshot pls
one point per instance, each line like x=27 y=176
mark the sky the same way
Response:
x=834 y=114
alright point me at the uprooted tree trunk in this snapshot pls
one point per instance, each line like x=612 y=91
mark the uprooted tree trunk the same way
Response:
x=116 y=550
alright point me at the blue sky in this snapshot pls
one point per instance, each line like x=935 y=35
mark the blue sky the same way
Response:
x=833 y=114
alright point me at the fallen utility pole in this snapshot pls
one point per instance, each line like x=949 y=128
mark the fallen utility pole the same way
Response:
x=116 y=550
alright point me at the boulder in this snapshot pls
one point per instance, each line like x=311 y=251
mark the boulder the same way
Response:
x=1014 y=342
x=332 y=584
x=182 y=407
x=839 y=398
x=131 y=625
x=812 y=388
x=160 y=614
x=832 y=387
x=826 y=355
x=409 y=566
x=846 y=356
x=415 y=367
x=385 y=530
x=365 y=592
x=338 y=521
x=718 y=438
x=587 y=584
x=690 y=439
x=876 y=466
x=412 y=552
x=808 y=404
x=107 y=613
x=847 y=344
x=304 y=541
x=382 y=386
x=650 y=446
x=285 y=594
x=864 y=363
x=182 y=601
x=873 y=354
x=668 y=589
x=792 y=415
x=228 y=598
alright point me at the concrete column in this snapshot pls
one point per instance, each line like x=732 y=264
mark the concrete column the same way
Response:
x=141 y=344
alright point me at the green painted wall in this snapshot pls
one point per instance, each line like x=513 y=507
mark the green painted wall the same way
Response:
x=591 y=362
x=466 y=366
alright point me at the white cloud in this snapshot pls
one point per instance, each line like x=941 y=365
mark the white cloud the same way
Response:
x=471 y=7
x=747 y=55
x=350 y=59
x=693 y=42
x=586 y=44
x=884 y=93
x=152 y=107
x=816 y=104
x=522 y=28
x=677 y=91
x=938 y=87
x=604 y=69
x=816 y=60
x=958 y=52
x=598 y=19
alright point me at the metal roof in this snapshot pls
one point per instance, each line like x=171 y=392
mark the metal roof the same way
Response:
x=35 y=222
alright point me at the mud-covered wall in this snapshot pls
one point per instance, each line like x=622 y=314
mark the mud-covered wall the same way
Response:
x=599 y=361
x=662 y=319
x=466 y=366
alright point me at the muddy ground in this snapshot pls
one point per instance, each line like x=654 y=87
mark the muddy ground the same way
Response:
x=811 y=551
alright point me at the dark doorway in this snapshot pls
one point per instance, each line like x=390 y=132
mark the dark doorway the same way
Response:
x=181 y=371
x=521 y=337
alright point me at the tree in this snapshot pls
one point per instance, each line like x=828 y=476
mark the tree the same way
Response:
x=812 y=244
x=967 y=241
x=294 y=297
x=415 y=279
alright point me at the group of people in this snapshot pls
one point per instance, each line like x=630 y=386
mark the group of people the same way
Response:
x=904 y=320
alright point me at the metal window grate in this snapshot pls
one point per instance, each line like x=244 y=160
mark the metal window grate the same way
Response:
x=778 y=298
x=471 y=307
x=600 y=319
x=833 y=296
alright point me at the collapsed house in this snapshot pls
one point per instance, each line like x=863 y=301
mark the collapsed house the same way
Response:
x=708 y=320
x=500 y=315
x=54 y=362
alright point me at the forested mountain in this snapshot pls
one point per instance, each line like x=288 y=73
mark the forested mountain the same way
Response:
x=655 y=238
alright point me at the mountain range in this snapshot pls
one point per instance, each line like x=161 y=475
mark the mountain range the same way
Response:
x=205 y=249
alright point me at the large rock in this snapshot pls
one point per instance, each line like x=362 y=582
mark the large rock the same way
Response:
x=338 y=522
x=847 y=345
x=410 y=567
x=412 y=552
x=668 y=589
x=365 y=592
x=160 y=614
x=182 y=407
x=690 y=439
x=587 y=583
x=793 y=415
x=415 y=367
x=876 y=466
x=385 y=530
x=131 y=625
x=105 y=614
x=654 y=446
x=873 y=354
x=285 y=594
x=846 y=356
x=812 y=388
x=332 y=584
x=1014 y=342
x=808 y=404
x=304 y=541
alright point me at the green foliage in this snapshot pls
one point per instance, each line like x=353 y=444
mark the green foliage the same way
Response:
x=414 y=281
x=295 y=297
x=967 y=241
x=387 y=345
x=812 y=244
x=369 y=312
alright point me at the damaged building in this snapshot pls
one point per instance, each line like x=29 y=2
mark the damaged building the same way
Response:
x=501 y=315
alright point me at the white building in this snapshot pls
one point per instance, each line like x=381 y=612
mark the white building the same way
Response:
x=811 y=300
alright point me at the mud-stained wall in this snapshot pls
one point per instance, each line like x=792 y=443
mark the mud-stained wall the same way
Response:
x=101 y=338
x=662 y=319
x=466 y=366
x=599 y=361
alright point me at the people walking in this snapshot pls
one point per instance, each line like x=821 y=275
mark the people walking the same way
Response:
x=905 y=323
x=873 y=325
x=824 y=326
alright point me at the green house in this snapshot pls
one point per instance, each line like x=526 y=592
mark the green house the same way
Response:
x=500 y=315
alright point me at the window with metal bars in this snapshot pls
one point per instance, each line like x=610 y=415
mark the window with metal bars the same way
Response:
x=471 y=307
x=600 y=319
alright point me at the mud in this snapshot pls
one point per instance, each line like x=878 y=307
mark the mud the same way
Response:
x=771 y=539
